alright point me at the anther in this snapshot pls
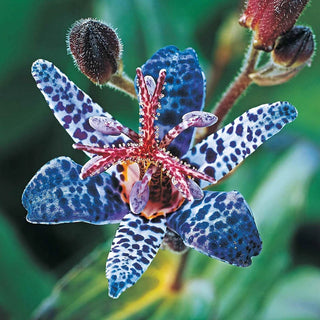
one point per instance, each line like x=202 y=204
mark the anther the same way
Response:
x=190 y=119
x=111 y=126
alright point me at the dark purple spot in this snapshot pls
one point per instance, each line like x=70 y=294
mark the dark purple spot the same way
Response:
x=55 y=97
x=48 y=89
x=86 y=108
x=59 y=106
x=209 y=171
x=233 y=158
x=87 y=127
x=67 y=119
x=93 y=139
x=80 y=96
x=81 y=135
x=76 y=118
x=120 y=168
x=203 y=148
x=239 y=129
x=69 y=108
x=211 y=156
x=230 y=130
x=253 y=117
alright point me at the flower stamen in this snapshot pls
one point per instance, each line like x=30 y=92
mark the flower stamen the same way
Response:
x=196 y=119
x=112 y=127
x=150 y=155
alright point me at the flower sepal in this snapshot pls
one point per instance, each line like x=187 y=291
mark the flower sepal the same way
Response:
x=292 y=52
x=272 y=74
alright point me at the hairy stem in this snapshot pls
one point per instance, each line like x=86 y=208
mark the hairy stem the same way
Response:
x=239 y=85
x=177 y=282
x=122 y=82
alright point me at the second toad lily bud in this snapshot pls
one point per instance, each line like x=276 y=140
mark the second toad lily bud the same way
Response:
x=295 y=48
x=96 y=49
x=292 y=52
x=270 y=18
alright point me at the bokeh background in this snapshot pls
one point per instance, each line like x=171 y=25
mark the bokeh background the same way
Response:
x=281 y=181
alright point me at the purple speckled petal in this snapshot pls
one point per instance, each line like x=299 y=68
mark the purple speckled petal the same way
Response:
x=224 y=150
x=133 y=248
x=184 y=91
x=70 y=105
x=56 y=194
x=220 y=225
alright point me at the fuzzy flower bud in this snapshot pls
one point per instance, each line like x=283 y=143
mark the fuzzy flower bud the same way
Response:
x=292 y=52
x=294 y=48
x=95 y=48
x=270 y=19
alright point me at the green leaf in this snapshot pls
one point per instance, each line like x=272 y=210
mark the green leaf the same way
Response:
x=82 y=293
x=32 y=30
x=23 y=284
x=19 y=16
x=193 y=302
x=295 y=297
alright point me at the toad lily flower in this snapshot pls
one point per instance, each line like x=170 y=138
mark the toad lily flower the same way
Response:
x=150 y=181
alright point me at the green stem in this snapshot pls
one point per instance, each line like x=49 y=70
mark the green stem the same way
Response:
x=177 y=283
x=122 y=82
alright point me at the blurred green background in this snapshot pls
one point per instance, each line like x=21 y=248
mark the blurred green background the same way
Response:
x=280 y=181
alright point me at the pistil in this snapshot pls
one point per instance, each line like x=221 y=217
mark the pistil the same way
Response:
x=139 y=195
x=146 y=151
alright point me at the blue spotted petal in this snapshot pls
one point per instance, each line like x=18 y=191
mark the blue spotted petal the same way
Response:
x=224 y=150
x=70 y=105
x=135 y=245
x=220 y=225
x=184 y=91
x=56 y=195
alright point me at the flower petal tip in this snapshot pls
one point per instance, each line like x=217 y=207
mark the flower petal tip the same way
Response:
x=220 y=225
x=288 y=110
x=116 y=288
x=50 y=196
x=38 y=66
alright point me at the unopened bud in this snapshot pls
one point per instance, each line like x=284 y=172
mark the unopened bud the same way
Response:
x=270 y=19
x=292 y=52
x=96 y=49
x=294 y=48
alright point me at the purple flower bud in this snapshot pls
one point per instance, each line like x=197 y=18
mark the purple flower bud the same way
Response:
x=270 y=19
x=294 y=48
x=95 y=48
